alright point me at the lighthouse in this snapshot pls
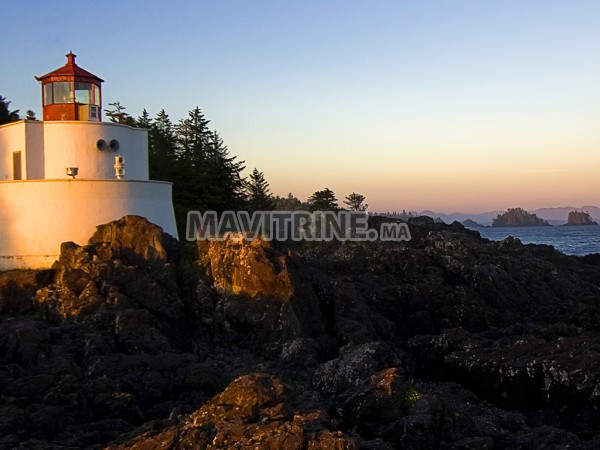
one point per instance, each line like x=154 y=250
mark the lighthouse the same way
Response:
x=71 y=93
x=64 y=175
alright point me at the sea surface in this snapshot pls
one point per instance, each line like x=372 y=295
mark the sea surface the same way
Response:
x=572 y=240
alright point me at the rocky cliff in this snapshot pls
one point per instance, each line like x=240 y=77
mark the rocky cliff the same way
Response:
x=446 y=341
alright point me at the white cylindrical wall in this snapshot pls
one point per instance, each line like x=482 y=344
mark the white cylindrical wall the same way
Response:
x=74 y=144
x=37 y=216
x=34 y=157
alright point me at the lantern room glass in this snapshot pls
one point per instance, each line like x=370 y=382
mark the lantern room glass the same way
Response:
x=83 y=93
x=63 y=92
x=48 y=94
x=71 y=92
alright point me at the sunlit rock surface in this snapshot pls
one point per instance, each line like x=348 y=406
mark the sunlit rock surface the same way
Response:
x=254 y=411
x=251 y=268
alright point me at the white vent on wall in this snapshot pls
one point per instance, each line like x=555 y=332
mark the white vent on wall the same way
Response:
x=94 y=112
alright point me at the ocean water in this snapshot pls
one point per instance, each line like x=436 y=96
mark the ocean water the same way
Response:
x=572 y=240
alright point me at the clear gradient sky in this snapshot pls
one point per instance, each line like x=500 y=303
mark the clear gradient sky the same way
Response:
x=442 y=105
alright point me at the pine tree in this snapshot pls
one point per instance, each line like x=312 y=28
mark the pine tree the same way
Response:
x=6 y=115
x=227 y=183
x=323 y=201
x=144 y=121
x=118 y=114
x=192 y=138
x=259 y=198
x=207 y=178
x=356 y=202
x=195 y=159
x=193 y=175
x=289 y=203
x=161 y=147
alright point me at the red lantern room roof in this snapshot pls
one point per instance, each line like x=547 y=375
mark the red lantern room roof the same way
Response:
x=70 y=71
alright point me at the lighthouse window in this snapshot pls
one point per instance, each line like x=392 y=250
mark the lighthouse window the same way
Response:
x=48 y=94
x=83 y=93
x=63 y=92
x=96 y=97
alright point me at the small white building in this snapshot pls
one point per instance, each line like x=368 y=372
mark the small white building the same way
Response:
x=63 y=176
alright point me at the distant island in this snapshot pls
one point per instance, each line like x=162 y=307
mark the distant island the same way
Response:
x=470 y=223
x=553 y=215
x=580 y=218
x=518 y=217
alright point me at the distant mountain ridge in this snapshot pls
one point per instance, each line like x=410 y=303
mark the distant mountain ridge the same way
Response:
x=554 y=216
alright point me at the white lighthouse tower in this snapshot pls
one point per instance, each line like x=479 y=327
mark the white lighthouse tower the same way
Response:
x=63 y=176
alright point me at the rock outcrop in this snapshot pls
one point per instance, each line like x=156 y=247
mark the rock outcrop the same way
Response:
x=580 y=218
x=518 y=217
x=254 y=411
x=445 y=341
x=470 y=223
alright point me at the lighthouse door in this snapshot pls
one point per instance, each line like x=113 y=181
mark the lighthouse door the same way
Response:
x=17 y=166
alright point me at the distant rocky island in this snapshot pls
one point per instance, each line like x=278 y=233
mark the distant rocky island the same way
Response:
x=518 y=217
x=580 y=218
x=553 y=215
x=470 y=223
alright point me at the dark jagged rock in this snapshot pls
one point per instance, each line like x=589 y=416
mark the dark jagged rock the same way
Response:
x=135 y=241
x=445 y=341
x=104 y=339
x=528 y=367
x=356 y=365
x=17 y=289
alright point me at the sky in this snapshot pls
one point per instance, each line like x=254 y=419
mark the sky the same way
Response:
x=459 y=105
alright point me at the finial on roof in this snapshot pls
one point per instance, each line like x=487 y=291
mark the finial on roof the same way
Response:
x=71 y=58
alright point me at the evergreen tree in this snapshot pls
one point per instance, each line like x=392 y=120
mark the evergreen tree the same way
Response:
x=289 y=203
x=6 y=115
x=356 y=202
x=161 y=146
x=192 y=138
x=259 y=198
x=323 y=201
x=212 y=178
x=195 y=159
x=228 y=185
x=118 y=115
x=30 y=115
x=164 y=165
x=144 y=121
x=193 y=182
